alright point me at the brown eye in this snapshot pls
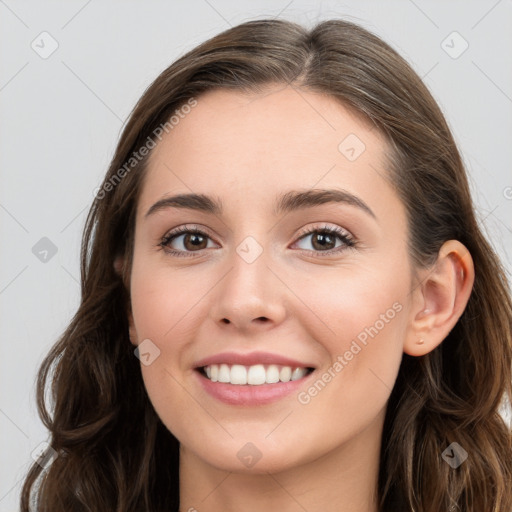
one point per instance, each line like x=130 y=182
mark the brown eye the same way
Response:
x=322 y=240
x=326 y=240
x=185 y=240
x=192 y=241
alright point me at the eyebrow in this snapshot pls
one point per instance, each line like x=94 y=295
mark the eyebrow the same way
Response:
x=290 y=201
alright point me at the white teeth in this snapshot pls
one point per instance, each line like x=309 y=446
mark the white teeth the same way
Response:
x=285 y=374
x=256 y=375
x=272 y=374
x=238 y=374
x=253 y=375
x=224 y=374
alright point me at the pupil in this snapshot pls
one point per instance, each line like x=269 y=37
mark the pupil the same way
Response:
x=195 y=240
x=323 y=239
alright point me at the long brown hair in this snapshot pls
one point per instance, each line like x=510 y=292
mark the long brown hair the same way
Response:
x=114 y=453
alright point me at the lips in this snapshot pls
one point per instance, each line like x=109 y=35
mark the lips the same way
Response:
x=257 y=378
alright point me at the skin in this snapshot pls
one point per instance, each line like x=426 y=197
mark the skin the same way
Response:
x=246 y=149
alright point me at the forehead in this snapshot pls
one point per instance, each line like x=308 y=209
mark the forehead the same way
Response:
x=250 y=145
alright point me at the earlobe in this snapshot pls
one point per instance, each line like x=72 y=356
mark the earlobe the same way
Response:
x=440 y=298
x=132 y=331
x=119 y=268
x=118 y=265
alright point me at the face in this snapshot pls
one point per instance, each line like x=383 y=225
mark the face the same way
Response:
x=277 y=279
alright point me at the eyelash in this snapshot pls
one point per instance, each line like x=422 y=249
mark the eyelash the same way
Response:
x=348 y=241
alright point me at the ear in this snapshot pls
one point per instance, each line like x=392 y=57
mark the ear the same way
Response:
x=440 y=298
x=119 y=268
x=132 y=331
x=119 y=265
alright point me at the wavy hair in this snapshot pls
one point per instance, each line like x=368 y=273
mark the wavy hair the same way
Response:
x=115 y=454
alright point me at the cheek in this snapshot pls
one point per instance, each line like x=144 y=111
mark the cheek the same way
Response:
x=163 y=307
x=162 y=299
x=367 y=316
x=166 y=306
x=364 y=315
x=360 y=305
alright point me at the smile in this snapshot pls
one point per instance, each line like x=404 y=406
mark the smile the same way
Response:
x=252 y=379
x=254 y=375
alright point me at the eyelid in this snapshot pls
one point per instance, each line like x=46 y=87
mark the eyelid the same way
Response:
x=184 y=229
x=324 y=227
x=349 y=241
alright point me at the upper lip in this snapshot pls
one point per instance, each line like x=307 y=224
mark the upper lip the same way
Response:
x=251 y=359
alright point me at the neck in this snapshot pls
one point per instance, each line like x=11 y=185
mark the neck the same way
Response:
x=343 y=480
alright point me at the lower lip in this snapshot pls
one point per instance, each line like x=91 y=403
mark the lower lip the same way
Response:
x=235 y=394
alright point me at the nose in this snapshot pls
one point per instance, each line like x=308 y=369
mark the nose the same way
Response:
x=250 y=296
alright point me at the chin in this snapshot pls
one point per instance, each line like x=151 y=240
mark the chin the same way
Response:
x=250 y=462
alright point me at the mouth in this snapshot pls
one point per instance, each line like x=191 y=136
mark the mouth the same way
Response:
x=251 y=379
x=253 y=375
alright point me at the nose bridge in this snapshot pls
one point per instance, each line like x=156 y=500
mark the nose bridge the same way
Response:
x=248 y=280
x=250 y=290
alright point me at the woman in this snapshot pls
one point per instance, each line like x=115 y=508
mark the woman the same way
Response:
x=287 y=303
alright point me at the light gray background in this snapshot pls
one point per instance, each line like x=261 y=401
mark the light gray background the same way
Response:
x=61 y=117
